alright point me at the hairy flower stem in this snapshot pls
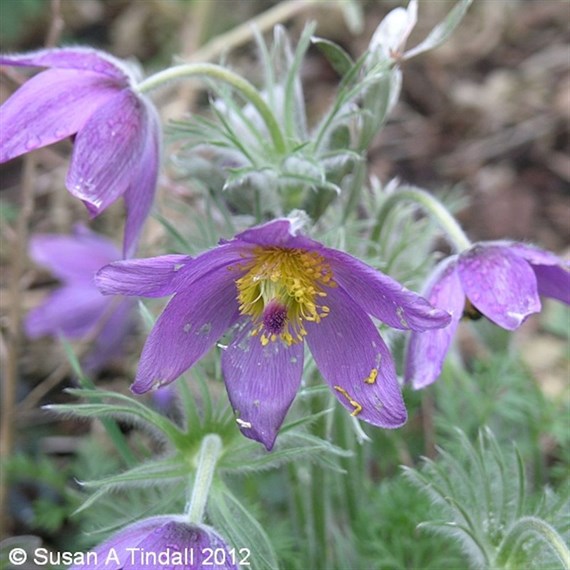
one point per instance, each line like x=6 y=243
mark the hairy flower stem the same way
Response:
x=532 y=526
x=354 y=465
x=217 y=72
x=320 y=549
x=210 y=450
x=356 y=184
x=429 y=203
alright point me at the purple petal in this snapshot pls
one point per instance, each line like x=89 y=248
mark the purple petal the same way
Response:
x=383 y=297
x=140 y=194
x=500 y=284
x=262 y=382
x=229 y=256
x=277 y=233
x=179 y=537
x=150 y=277
x=111 y=340
x=553 y=281
x=107 y=151
x=552 y=275
x=73 y=258
x=532 y=254
x=72 y=311
x=191 y=323
x=426 y=351
x=355 y=362
x=164 y=399
x=76 y=58
x=50 y=107
x=129 y=537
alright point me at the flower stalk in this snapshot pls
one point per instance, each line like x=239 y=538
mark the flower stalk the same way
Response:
x=210 y=451
x=213 y=71
x=431 y=205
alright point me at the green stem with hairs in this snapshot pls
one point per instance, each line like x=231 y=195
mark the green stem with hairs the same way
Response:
x=217 y=72
x=431 y=205
x=210 y=450
x=532 y=526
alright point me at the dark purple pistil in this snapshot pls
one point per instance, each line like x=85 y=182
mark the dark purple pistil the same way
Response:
x=274 y=317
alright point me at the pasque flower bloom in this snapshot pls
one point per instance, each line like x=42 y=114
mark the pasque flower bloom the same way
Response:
x=89 y=94
x=77 y=308
x=277 y=289
x=166 y=541
x=501 y=280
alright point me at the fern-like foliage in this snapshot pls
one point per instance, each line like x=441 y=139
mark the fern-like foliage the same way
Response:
x=486 y=507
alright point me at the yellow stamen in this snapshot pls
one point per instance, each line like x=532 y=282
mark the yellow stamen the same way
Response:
x=281 y=289
x=371 y=378
x=357 y=407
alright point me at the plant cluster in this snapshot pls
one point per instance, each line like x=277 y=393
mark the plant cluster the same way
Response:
x=292 y=284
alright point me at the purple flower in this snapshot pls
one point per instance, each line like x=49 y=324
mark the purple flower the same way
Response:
x=501 y=280
x=276 y=290
x=77 y=308
x=89 y=94
x=166 y=541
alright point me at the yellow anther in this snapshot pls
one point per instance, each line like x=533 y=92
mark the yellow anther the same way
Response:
x=295 y=279
x=357 y=407
x=371 y=378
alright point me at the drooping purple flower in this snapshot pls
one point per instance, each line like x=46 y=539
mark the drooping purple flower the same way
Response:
x=89 y=94
x=501 y=280
x=277 y=289
x=77 y=308
x=166 y=541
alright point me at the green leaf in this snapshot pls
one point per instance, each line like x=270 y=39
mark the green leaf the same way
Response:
x=481 y=490
x=442 y=31
x=145 y=475
x=340 y=60
x=242 y=530
x=130 y=407
x=293 y=446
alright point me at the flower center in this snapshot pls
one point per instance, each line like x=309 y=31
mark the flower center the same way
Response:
x=281 y=289
x=274 y=317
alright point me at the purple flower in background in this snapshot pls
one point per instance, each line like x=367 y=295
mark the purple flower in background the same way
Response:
x=164 y=400
x=277 y=289
x=166 y=541
x=501 y=280
x=77 y=308
x=89 y=94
